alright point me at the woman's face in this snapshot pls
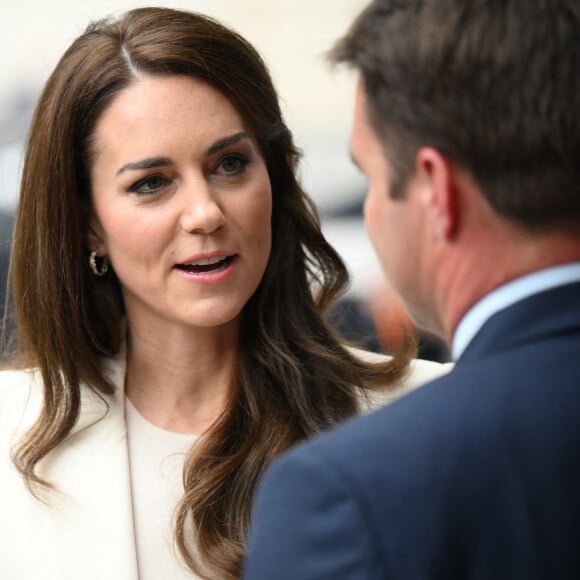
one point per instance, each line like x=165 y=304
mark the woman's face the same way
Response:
x=182 y=203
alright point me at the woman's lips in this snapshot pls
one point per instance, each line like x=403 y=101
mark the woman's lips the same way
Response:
x=209 y=269
x=205 y=264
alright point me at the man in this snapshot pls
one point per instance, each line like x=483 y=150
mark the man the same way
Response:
x=467 y=125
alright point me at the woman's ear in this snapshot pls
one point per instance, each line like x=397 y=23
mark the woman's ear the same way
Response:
x=95 y=238
x=442 y=197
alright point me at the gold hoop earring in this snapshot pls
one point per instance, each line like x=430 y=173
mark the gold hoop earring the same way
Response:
x=93 y=264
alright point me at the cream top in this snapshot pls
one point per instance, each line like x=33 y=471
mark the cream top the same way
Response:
x=156 y=461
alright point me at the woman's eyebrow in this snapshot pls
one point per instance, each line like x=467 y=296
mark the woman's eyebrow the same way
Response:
x=147 y=163
x=151 y=162
x=225 y=142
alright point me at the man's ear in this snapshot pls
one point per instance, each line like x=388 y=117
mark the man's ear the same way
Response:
x=441 y=197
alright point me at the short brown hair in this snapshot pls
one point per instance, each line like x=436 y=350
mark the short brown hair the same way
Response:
x=492 y=84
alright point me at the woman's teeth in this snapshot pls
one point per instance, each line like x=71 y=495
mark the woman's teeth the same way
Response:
x=206 y=264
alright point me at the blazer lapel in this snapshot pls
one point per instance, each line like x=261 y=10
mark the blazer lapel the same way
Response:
x=90 y=523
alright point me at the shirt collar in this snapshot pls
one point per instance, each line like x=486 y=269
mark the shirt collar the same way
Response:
x=507 y=295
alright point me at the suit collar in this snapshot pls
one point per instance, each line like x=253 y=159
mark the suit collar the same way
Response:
x=508 y=294
x=549 y=313
x=91 y=520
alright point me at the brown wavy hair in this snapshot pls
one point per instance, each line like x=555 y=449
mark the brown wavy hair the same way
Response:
x=295 y=376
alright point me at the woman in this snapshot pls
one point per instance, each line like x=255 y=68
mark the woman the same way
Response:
x=164 y=258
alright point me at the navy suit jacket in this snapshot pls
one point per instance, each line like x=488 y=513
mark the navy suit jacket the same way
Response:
x=474 y=476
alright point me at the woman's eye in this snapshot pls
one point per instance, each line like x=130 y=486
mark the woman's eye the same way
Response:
x=149 y=185
x=233 y=165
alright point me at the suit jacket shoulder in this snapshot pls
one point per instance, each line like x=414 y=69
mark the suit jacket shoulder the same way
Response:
x=20 y=400
x=475 y=475
x=84 y=528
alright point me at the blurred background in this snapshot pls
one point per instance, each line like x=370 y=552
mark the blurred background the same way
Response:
x=317 y=100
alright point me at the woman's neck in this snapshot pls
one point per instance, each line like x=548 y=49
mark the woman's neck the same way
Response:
x=180 y=380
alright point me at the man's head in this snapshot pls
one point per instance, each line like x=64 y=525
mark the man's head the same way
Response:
x=474 y=106
x=493 y=85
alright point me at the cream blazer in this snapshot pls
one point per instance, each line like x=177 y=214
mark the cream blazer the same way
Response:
x=85 y=530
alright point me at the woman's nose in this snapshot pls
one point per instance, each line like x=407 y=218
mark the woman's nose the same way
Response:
x=202 y=212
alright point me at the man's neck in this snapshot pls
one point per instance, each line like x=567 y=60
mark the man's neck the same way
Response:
x=491 y=266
